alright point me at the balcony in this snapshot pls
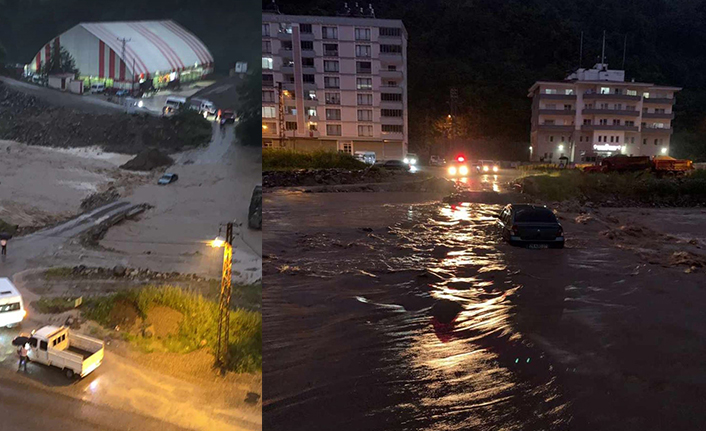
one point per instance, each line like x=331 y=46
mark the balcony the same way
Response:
x=555 y=128
x=590 y=127
x=391 y=74
x=392 y=120
x=330 y=53
x=392 y=104
x=287 y=69
x=658 y=100
x=391 y=57
x=663 y=115
x=657 y=130
x=543 y=96
x=391 y=89
x=306 y=36
x=611 y=96
x=308 y=53
x=285 y=52
x=308 y=70
x=625 y=112
x=283 y=35
x=570 y=112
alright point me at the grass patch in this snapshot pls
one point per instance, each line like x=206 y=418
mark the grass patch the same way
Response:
x=53 y=305
x=638 y=187
x=200 y=323
x=7 y=227
x=58 y=273
x=274 y=159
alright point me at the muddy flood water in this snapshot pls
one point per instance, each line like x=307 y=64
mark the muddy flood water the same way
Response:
x=572 y=339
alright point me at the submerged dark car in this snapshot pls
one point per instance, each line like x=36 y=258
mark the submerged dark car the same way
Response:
x=395 y=165
x=533 y=225
x=167 y=179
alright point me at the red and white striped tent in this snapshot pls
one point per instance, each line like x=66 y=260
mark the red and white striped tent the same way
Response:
x=121 y=51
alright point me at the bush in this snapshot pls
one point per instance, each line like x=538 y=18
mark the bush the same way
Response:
x=6 y=227
x=193 y=130
x=54 y=305
x=200 y=322
x=273 y=159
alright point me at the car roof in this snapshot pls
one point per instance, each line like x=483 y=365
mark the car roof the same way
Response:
x=528 y=206
x=48 y=331
x=7 y=288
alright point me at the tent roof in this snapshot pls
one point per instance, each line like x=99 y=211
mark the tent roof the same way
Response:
x=152 y=46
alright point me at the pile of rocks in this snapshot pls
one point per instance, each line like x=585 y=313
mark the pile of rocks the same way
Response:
x=99 y=199
x=147 y=160
x=120 y=271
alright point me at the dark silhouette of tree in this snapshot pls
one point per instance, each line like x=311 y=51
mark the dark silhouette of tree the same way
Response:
x=59 y=62
x=249 y=128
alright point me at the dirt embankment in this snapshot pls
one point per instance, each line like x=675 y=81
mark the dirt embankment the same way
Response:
x=28 y=119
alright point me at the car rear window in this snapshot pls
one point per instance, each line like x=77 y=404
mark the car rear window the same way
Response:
x=535 y=216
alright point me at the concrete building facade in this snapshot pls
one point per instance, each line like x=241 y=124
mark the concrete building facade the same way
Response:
x=335 y=83
x=594 y=113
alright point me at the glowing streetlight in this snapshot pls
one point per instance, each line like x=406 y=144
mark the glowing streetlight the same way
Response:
x=664 y=150
x=561 y=147
x=264 y=127
x=218 y=242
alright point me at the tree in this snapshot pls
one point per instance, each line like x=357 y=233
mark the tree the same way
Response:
x=61 y=62
x=249 y=128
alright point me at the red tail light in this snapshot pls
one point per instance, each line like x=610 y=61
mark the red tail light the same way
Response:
x=460 y=158
x=561 y=232
x=515 y=230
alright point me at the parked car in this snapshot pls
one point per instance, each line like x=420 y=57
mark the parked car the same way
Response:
x=365 y=157
x=437 y=161
x=167 y=179
x=97 y=87
x=487 y=166
x=12 y=310
x=393 y=165
x=75 y=354
x=533 y=225
x=122 y=93
x=458 y=167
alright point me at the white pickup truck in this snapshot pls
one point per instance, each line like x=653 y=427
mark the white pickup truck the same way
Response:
x=75 y=354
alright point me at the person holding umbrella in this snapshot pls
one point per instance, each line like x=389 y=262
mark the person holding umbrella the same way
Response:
x=4 y=238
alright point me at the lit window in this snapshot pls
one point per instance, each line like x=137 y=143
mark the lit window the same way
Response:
x=269 y=112
x=605 y=90
x=267 y=63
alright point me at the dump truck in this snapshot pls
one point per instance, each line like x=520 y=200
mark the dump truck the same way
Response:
x=73 y=353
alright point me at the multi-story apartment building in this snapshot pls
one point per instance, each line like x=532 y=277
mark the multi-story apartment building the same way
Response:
x=594 y=113
x=337 y=83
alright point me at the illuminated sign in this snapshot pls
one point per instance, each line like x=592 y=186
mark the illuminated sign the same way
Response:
x=606 y=147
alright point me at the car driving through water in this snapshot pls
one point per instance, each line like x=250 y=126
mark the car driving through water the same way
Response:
x=533 y=225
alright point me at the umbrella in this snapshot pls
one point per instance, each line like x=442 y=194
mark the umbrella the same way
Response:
x=20 y=340
x=5 y=235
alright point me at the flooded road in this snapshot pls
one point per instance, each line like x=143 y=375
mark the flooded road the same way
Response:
x=542 y=340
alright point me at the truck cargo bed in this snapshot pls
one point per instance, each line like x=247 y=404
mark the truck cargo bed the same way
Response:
x=84 y=353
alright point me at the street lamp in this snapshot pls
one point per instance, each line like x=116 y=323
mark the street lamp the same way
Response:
x=226 y=291
x=218 y=242
x=561 y=147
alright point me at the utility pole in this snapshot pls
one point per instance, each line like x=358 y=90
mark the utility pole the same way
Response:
x=603 y=51
x=581 y=51
x=124 y=41
x=224 y=303
x=625 y=47
x=280 y=114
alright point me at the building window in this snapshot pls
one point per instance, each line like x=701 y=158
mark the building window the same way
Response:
x=362 y=51
x=287 y=45
x=391 y=112
x=631 y=92
x=392 y=128
x=307 y=45
x=268 y=96
x=269 y=112
x=632 y=140
x=267 y=63
x=605 y=90
x=364 y=83
x=390 y=97
x=551 y=139
x=600 y=138
x=265 y=29
x=392 y=68
x=285 y=28
x=333 y=114
x=612 y=139
x=550 y=91
x=644 y=141
x=331 y=82
x=305 y=28
x=331 y=49
x=311 y=95
x=548 y=122
x=629 y=123
x=330 y=66
x=290 y=125
x=603 y=122
x=568 y=107
x=365 y=99
x=646 y=95
x=266 y=144
x=266 y=46
x=659 y=110
x=329 y=32
x=587 y=122
x=631 y=108
x=390 y=31
x=313 y=127
x=311 y=112
x=309 y=79
x=618 y=91
x=365 y=115
x=391 y=49
x=616 y=122
x=365 y=131
x=290 y=110
x=362 y=34
x=333 y=98
x=618 y=106
x=333 y=129
x=307 y=62
x=267 y=80
x=569 y=91
x=604 y=106
x=364 y=67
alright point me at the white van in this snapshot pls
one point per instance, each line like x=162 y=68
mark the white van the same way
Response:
x=173 y=104
x=12 y=310
x=366 y=157
x=97 y=87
